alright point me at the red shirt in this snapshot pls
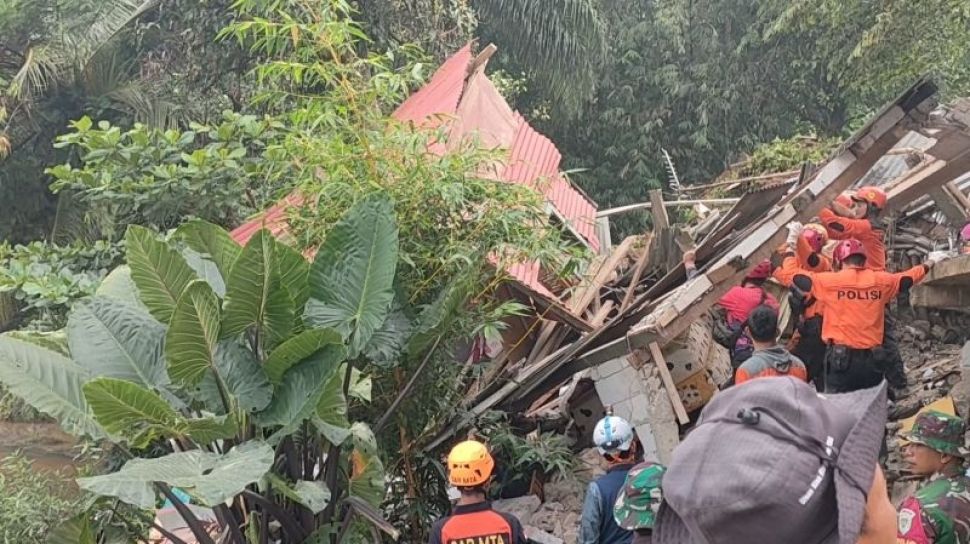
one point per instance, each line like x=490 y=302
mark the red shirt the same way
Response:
x=740 y=300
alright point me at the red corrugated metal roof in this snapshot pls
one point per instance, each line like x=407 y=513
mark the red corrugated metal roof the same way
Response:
x=442 y=94
x=533 y=159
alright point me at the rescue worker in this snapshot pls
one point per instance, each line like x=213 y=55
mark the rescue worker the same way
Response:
x=613 y=437
x=732 y=310
x=939 y=511
x=637 y=506
x=769 y=359
x=862 y=220
x=472 y=521
x=806 y=343
x=854 y=303
x=844 y=222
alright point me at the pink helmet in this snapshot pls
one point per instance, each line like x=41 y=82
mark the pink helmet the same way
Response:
x=815 y=236
x=965 y=233
x=760 y=272
x=848 y=248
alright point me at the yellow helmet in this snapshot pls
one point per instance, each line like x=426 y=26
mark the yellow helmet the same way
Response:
x=469 y=464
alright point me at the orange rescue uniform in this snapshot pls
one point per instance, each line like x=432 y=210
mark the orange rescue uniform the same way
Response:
x=477 y=524
x=853 y=300
x=842 y=228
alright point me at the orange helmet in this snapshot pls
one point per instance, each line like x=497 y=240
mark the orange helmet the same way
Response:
x=469 y=464
x=873 y=195
x=845 y=199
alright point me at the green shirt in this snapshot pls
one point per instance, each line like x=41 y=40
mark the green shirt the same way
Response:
x=945 y=506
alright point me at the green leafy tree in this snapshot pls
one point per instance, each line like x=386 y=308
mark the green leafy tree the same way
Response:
x=250 y=389
x=222 y=172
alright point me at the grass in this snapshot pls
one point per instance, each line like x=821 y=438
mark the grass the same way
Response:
x=32 y=502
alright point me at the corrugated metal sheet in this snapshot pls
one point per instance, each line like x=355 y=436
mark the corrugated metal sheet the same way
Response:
x=888 y=168
x=477 y=110
x=441 y=95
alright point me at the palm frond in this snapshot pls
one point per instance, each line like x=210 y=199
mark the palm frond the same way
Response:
x=146 y=108
x=36 y=75
x=88 y=41
x=563 y=42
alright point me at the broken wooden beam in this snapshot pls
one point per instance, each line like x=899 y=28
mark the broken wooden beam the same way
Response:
x=853 y=160
x=668 y=381
x=925 y=178
x=667 y=204
x=949 y=206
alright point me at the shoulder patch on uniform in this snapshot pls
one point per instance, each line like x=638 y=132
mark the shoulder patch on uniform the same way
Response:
x=906 y=517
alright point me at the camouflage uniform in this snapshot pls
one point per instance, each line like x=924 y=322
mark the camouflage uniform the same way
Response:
x=939 y=512
x=637 y=504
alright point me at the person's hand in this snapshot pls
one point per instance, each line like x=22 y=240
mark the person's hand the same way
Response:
x=936 y=257
x=794 y=231
x=690 y=259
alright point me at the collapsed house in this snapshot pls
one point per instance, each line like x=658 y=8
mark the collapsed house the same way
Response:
x=634 y=334
x=653 y=359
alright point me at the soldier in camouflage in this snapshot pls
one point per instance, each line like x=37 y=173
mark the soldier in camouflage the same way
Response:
x=939 y=511
x=637 y=504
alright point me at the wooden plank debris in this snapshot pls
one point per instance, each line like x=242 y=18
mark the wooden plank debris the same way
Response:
x=621 y=318
x=658 y=358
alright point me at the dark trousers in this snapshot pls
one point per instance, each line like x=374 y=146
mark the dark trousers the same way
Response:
x=848 y=369
x=811 y=349
x=890 y=358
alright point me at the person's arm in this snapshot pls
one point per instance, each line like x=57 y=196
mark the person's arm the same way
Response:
x=690 y=265
x=840 y=227
x=789 y=268
x=518 y=533
x=435 y=536
x=589 y=528
x=900 y=282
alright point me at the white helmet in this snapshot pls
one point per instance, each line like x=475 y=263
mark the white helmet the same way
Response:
x=612 y=434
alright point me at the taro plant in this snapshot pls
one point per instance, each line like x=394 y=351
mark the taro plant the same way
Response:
x=240 y=360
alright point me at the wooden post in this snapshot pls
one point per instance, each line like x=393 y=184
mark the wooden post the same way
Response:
x=669 y=385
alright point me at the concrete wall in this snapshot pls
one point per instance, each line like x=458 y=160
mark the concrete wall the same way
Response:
x=638 y=396
x=697 y=365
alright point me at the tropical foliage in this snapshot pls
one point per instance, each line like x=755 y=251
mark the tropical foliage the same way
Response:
x=242 y=364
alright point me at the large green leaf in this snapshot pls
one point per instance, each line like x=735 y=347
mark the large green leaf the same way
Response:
x=299 y=348
x=206 y=270
x=131 y=411
x=212 y=242
x=119 y=285
x=435 y=317
x=367 y=470
x=160 y=273
x=313 y=495
x=76 y=530
x=50 y=382
x=115 y=340
x=352 y=276
x=192 y=337
x=54 y=340
x=294 y=273
x=331 y=417
x=386 y=346
x=243 y=377
x=297 y=398
x=209 y=477
x=254 y=294
x=209 y=429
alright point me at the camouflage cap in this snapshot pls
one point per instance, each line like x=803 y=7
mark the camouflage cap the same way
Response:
x=638 y=502
x=939 y=431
